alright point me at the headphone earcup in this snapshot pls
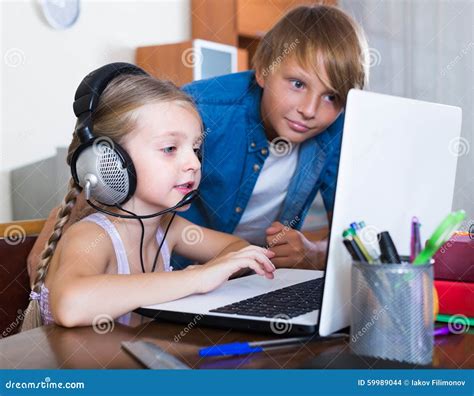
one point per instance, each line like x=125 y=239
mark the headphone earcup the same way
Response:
x=109 y=170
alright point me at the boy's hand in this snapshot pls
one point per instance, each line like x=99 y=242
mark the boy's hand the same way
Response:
x=292 y=249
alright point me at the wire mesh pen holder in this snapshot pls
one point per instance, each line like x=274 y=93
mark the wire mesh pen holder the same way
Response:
x=392 y=311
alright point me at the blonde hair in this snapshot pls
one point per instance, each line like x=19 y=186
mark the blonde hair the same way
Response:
x=318 y=36
x=114 y=118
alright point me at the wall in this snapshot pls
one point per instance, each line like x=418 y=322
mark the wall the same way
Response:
x=41 y=68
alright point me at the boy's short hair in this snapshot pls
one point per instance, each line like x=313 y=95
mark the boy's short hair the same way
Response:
x=315 y=36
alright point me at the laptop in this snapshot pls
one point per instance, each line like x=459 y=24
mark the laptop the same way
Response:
x=397 y=161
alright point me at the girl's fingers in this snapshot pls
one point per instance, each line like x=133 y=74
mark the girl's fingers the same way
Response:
x=255 y=258
x=255 y=250
x=261 y=255
x=269 y=275
x=256 y=267
x=265 y=262
x=264 y=265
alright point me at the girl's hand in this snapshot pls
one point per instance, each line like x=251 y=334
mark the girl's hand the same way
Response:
x=214 y=273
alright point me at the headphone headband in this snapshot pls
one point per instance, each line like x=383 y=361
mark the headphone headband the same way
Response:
x=88 y=93
x=106 y=172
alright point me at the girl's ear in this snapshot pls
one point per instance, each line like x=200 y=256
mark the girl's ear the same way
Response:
x=259 y=77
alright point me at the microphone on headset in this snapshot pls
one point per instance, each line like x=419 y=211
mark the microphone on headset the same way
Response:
x=187 y=199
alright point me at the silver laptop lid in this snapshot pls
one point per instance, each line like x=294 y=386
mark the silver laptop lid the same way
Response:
x=398 y=160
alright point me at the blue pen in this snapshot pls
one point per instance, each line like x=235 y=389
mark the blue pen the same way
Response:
x=243 y=348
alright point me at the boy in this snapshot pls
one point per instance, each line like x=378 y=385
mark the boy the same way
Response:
x=273 y=135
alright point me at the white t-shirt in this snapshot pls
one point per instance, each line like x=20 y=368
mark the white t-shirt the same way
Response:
x=268 y=196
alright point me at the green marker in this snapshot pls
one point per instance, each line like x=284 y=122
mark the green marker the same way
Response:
x=450 y=223
x=350 y=232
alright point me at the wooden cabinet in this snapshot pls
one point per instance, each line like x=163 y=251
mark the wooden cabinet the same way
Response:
x=226 y=20
x=166 y=61
x=240 y=23
x=256 y=17
x=214 y=20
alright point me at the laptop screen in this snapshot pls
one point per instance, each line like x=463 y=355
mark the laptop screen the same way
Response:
x=394 y=164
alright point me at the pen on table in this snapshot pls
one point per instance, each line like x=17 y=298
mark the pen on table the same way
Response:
x=388 y=251
x=242 y=348
x=444 y=330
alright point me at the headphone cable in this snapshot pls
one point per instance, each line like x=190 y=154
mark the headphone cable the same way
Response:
x=142 y=237
x=162 y=242
x=188 y=198
x=155 y=260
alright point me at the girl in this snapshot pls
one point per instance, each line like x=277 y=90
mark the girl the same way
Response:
x=94 y=269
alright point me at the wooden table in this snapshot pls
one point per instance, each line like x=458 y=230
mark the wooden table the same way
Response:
x=51 y=347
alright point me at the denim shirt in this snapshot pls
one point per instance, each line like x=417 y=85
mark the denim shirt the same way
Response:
x=235 y=148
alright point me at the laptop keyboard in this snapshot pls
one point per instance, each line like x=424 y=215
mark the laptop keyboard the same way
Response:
x=292 y=301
